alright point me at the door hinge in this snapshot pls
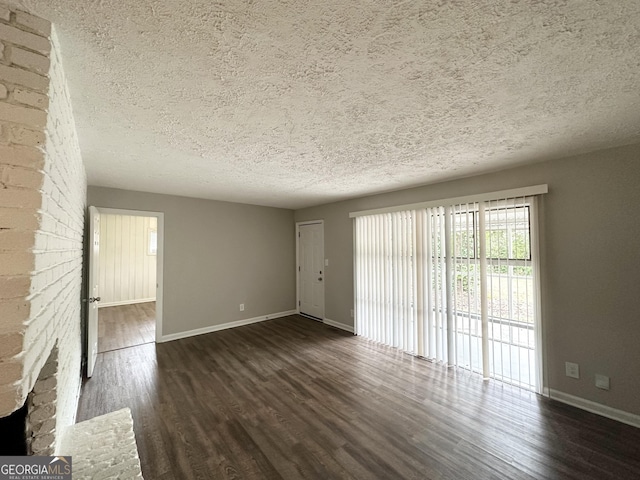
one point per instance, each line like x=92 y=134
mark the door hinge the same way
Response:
x=298 y=234
x=298 y=302
x=299 y=268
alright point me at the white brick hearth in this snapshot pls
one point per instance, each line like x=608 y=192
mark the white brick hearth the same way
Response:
x=103 y=447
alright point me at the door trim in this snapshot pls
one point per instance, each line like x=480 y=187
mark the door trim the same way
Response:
x=324 y=290
x=91 y=315
x=159 y=257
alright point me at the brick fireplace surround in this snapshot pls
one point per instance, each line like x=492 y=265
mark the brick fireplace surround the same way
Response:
x=42 y=211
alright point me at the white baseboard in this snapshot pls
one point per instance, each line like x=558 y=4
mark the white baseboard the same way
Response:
x=224 y=326
x=597 y=408
x=341 y=326
x=126 y=302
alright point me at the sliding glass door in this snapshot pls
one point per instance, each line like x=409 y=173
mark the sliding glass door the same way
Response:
x=456 y=284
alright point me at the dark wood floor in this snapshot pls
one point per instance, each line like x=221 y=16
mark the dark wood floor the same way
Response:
x=126 y=326
x=292 y=398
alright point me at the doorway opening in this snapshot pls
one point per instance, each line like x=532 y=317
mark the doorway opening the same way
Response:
x=126 y=278
x=311 y=269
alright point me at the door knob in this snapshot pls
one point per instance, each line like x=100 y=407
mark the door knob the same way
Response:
x=94 y=299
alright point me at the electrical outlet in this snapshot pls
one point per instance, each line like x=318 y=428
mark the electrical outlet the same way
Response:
x=602 y=381
x=572 y=369
x=242 y=307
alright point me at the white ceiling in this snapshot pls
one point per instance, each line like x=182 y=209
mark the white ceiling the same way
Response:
x=296 y=103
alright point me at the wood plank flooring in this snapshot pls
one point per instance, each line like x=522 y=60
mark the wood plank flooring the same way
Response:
x=126 y=325
x=292 y=398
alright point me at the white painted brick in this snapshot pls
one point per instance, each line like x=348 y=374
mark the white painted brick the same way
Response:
x=33 y=99
x=41 y=242
x=40 y=25
x=11 y=344
x=104 y=447
x=33 y=359
x=4 y=133
x=25 y=136
x=10 y=398
x=33 y=61
x=23 y=115
x=14 y=311
x=40 y=314
x=19 y=219
x=14 y=287
x=22 y=156
x=16 y=264
x=3 y=91
x=25 y=39
x=19 y=197
x=16 y=240
x=20 y=177
x=54 y=287
x=23 y=78
x=47 y=223
x=38 y=283
x=5 y=13
x=10 y=371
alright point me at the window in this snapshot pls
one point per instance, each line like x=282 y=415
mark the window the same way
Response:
x=153 y=242
x=456 y=284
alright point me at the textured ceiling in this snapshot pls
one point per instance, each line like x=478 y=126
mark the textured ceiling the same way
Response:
x=296 y=103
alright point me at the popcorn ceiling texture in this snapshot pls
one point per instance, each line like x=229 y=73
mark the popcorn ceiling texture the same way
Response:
x=294 y=103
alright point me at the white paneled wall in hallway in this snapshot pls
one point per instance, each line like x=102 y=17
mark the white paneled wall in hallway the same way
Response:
x=127 y=259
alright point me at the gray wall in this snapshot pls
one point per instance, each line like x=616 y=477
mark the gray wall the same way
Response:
x=217 y=255
x=590 y=263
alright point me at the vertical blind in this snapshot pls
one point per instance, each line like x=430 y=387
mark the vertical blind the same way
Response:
x=456 y=284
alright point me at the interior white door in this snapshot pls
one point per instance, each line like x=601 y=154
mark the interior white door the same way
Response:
x=93 y=290
x=311 y=269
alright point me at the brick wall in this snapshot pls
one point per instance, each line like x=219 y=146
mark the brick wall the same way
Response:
x=42 y=208
x=42 y=404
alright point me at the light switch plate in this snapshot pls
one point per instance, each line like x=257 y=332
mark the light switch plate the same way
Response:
x=602 y=381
